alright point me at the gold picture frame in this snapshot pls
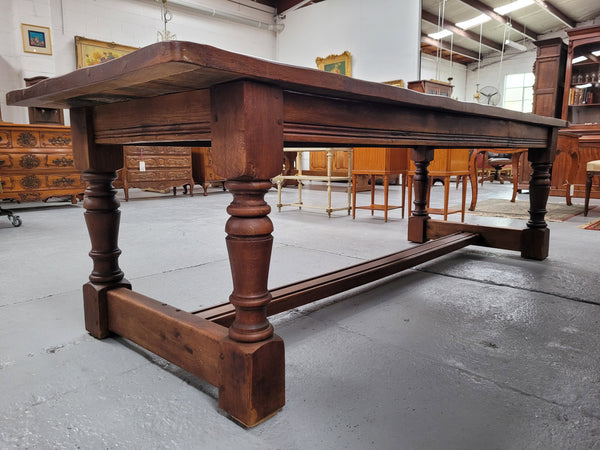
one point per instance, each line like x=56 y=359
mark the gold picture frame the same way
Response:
x=36 y=39
x=91 y=52
x=397 y=83
x=336 y=63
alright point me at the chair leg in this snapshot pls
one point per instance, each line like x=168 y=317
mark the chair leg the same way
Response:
x=464 y=199
x=446 y=196
x=372 y=193
x=386 y=184
x=353 y=195
x=403 y=192
x=588 y=190
x=409 y=187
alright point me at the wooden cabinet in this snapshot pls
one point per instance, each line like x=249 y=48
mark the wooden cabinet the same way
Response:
x=318 y=163
x=155 y=168
x=36 y=163
x=548 y=92
x=372 y=162
x=431 y=87
x=581 y=104
x=381 y=160
x=202 y=168
x=549 y=71
x=43 y=116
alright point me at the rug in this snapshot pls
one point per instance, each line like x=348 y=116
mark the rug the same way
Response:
x=557 y=212
x=595 y=225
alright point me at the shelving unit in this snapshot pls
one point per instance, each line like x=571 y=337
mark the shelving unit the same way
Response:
x=581 y=104
x=300 y=176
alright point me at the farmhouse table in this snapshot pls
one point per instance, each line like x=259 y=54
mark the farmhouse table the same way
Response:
x=246 y=109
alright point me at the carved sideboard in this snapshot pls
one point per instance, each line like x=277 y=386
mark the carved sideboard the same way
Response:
x=160 y=168
x=36 y=163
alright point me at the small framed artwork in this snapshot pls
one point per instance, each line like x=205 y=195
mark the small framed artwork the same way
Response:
x=397 y=83
x=91 y=52
x=36 y=39
x=336 y=63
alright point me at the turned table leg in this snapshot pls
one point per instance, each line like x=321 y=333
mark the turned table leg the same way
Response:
x=102 y=218
x=253 y=363
x=536 y=237
x=421 y=157
x=249 y=243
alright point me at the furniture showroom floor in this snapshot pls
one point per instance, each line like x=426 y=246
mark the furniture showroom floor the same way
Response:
x=506 y=357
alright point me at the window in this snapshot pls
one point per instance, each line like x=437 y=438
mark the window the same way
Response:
x=518 y=91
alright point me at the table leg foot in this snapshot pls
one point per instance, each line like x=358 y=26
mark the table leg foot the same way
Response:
x=95 y=307
x=535 y=243
x=417 y=229
x=253 y=380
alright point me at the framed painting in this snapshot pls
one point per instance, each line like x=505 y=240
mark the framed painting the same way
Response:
x=336 y=63
x=36 y=39
x=397 y=83
x=91 y=52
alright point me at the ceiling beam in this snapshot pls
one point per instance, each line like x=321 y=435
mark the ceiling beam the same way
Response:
x=553 y=10
x=284 y=6
x=485 y=9
x=445 y=46
x=432 y=18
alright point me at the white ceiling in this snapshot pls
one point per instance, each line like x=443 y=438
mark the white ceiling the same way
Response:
x=534 y=21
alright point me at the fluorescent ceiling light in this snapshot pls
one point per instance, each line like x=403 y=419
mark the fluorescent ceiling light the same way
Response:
x=578 y=59
x=596 y=53
x=465 y=25
x=440 y=34
x=506 y=9
x=515 y=45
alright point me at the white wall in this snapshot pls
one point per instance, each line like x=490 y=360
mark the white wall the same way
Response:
x=492 y=72
x=127 y=22
x=382 y=36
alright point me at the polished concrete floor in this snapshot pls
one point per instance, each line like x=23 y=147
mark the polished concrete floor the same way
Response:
x=476 y=350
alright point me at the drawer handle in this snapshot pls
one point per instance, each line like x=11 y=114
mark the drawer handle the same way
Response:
x=64 y=181
x=27 y=139
x=30 y=182
x=60 y=140
x=62 y=162
x=29 y=161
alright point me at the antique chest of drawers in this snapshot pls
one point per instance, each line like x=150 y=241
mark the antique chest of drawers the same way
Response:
x=36 y=163
x=155 y=167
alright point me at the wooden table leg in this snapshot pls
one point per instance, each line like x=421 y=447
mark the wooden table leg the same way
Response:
x=102 y=219
x=536 y=237
x=253 y=367
x=421 y=157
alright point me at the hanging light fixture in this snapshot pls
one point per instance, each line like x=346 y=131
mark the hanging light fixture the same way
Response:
x=515 y=45
x=166 y=15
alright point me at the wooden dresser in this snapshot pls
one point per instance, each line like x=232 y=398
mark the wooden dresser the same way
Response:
x=433 y=87
x=202 y=169
x=36 y=163
x=157 y=168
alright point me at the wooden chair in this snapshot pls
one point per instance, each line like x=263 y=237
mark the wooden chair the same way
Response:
x=446 y=163
x=592 y=169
